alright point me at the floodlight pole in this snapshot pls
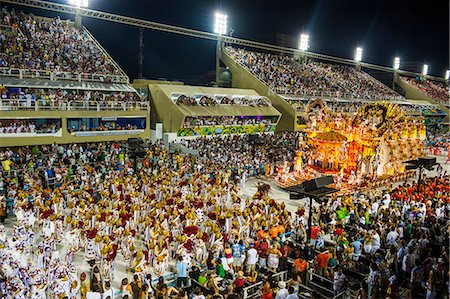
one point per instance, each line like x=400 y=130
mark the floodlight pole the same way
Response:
x=420 y=177
x=310 y=219
x=78 y=19
x=395 y=76
x=218 y=48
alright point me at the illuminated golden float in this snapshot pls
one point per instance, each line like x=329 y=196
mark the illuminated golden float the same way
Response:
x=364 y=149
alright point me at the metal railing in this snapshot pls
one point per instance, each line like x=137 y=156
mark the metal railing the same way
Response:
x=252 y=291
x=61 y=75
x=38 y=105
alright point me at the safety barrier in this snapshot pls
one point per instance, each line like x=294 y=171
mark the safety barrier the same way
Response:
x=37 y=105
x=252 y=291
x=61 y=76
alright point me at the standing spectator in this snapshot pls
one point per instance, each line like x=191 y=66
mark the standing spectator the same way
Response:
x=198 y=294
x=373 y=281
x=181 y=273
x=252 y=258
x=301 y=267
x=285 y=252
x=263 y=253
x=339 y=282
x=237 y=251
x=267 y=290
x=136 y=287
x=292 y=293
x=2 y=209
x=274 y=257
x=282 y=291
x=321 y=262
x=238 y=284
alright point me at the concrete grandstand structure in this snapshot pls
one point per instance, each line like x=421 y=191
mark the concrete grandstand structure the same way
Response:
x=293 y=103
x=247 y=111
x=77 y=98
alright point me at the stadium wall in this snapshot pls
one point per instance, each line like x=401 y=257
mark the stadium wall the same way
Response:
x=65 y=137
x=242 y=78
x=171 y=115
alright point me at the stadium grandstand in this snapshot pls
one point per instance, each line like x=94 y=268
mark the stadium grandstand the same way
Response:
x=434 y=91
x=292 y=83
x=58 y=84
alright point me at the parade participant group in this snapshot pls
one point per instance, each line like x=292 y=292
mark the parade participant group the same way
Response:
x=179 y=212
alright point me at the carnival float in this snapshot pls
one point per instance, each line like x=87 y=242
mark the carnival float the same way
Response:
x=364 y=149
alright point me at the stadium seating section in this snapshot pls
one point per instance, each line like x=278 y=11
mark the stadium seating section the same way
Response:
x=285 y=75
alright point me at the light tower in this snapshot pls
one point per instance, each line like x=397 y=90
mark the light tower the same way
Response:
x=79 y=4
x=303 y=46
x=358 y=57
x=447 y=76
x=220 y=28
x=396 y=68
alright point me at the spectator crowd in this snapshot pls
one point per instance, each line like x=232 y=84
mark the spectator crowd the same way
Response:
x=436 y=90
x=58 y=97
x=205 y=100
x=38 y=43
x=285 y=75
x=197 y=121
x=28 y=126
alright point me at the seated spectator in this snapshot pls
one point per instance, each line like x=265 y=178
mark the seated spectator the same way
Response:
x=285 y=75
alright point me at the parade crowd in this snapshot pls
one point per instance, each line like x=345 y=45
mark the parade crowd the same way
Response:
x=182 y=214
x=38 y=43
x=286 y=75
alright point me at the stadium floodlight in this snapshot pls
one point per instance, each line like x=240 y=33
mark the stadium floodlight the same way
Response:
x=447 y=74
x=304 y=42
x=79 y=3
x=396 y=63
x=358 y=54
x=221 y=23
x=425 y=70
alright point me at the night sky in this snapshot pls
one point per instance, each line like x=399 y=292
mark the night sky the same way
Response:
x=411 y=29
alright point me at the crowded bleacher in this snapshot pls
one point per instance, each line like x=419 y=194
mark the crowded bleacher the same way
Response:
x=438 y=91
x=35 y=43
x=285 y=75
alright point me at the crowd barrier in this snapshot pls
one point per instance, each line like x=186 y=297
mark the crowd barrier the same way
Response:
x=32 y=105
x=61 y=76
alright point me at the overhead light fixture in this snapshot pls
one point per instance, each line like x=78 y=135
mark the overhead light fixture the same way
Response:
x=425 y=70
x=396 y=63
x=304 y=42
x=79 y=3
x=221 y=23
x=358 y=54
